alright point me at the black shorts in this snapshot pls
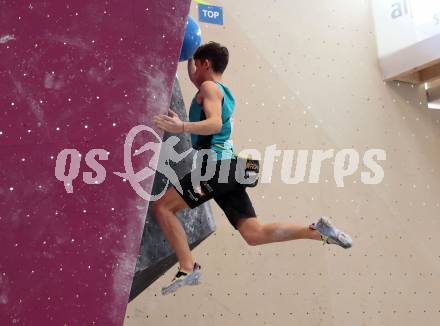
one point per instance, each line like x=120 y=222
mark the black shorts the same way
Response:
x=227 y=192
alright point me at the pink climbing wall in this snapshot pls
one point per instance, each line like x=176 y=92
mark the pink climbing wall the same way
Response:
x=77 y=75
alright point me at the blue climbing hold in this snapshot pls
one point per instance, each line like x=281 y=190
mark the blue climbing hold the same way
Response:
x=191 y=40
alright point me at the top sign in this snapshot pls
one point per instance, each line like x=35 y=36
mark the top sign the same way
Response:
x=211 y=14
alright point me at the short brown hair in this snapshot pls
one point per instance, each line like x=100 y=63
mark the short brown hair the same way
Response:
x=216 y=53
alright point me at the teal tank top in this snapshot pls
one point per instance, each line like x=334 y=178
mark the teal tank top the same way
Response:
x=220 y=142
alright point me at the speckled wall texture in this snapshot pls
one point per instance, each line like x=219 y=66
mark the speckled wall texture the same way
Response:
x=75 y=77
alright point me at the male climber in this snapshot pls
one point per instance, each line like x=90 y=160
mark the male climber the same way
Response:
x=210 y=126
